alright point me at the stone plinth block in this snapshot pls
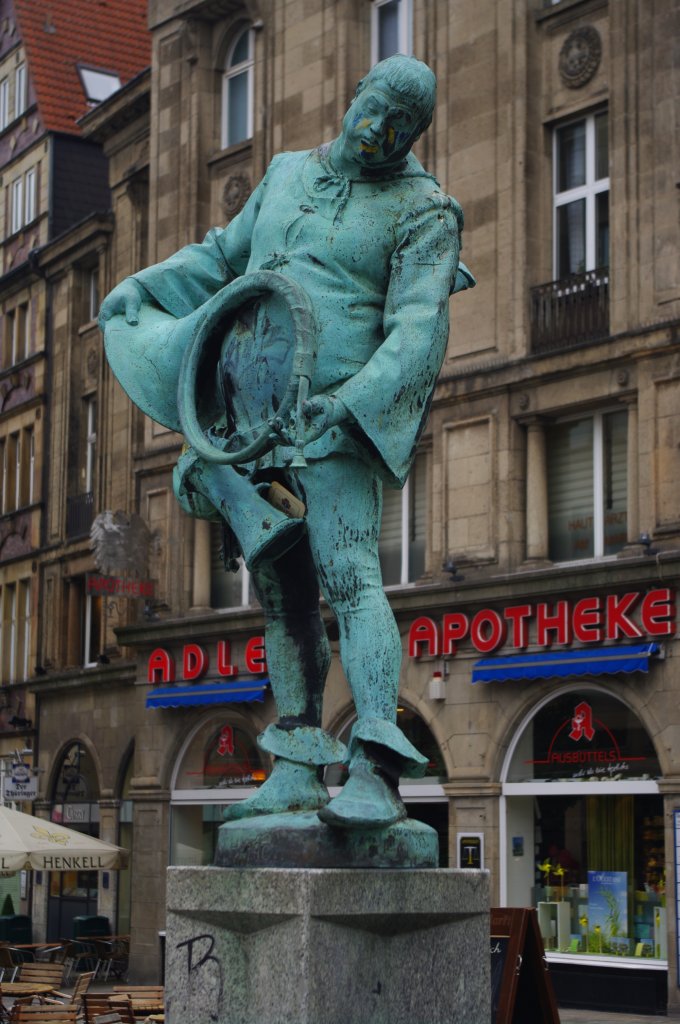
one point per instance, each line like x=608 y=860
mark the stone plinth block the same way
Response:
x=327 y=946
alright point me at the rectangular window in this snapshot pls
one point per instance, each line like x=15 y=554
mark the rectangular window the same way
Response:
x=9 y=632
x=402 y=533
x=237 y=90
x=10 y=474
x=390 y=28
x=24 y=630
x=17 y=204
x=30 y=192
x=581 y=190
x=19 y=90
x=587 y=486
x=93 y=294
x=92 y=629
x=4 y=103
x=90 y=443
x=26 y=464
x=19 y=335
x=227 y=589
x=8 y=335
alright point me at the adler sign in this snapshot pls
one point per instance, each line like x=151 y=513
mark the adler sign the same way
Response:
x=196 y=662
x=590 y=620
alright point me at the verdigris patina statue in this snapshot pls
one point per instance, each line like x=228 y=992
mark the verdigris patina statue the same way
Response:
x=342 y=263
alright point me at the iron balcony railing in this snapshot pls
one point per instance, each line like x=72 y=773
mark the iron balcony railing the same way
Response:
x=79 y=515
x=570 y=312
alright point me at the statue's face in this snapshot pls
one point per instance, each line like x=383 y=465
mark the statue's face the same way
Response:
x=379 y=128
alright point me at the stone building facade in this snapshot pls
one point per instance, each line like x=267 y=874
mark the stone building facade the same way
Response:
x=532 y=559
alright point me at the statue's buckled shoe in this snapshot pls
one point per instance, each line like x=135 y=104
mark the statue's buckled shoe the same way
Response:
x=367 y=800
x=290 y=787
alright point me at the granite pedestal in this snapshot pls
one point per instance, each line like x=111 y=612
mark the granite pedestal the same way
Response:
x=327 y=946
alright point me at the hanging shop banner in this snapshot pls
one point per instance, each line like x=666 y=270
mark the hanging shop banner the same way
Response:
x=20 y=784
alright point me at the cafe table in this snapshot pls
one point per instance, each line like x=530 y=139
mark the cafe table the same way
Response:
x=21 y=990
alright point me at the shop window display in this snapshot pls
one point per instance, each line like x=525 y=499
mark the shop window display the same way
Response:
x=222 y=762
x=596 y=867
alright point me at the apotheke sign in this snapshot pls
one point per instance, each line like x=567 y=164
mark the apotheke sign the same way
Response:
x=591 y=620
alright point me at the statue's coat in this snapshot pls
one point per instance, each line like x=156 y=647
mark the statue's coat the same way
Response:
x=378 y=270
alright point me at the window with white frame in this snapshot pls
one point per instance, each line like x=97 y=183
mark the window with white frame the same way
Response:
x=391 y=30
x=24 y=200
x=93 y=293
x=89 y=464
x=587 y=486
x=15 y=339
x=20 y=90
x=4 y=103
x=9 y=632
x=17 y=452
x=17 y=205
x=237 y=90
x=227 y=589
x=15 y=631
x=402 y=533
x=92 y=629
x=30 y=195
x=581 y=190
x=24 y=630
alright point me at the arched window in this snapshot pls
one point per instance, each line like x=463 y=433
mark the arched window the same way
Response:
x=219 y=764
x=237 y=90
x=584 y=827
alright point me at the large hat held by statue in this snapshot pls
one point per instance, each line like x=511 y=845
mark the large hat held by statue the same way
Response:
x=224 y=373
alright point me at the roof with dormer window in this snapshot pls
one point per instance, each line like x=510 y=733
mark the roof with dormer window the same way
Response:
x=79 y=51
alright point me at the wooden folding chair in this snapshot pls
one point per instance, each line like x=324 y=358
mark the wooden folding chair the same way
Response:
x=42 y=973
x=39 y=1013
x=97 y=1004
x=74 y=998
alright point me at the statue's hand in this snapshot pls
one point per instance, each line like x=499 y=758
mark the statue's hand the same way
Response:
x=126 y=298
x=320 y=414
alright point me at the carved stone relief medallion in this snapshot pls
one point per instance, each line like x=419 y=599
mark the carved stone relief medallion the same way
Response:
x=580 y=56
x=235 y=194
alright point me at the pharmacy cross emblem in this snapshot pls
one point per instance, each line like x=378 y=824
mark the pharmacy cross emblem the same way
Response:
x=582 y=722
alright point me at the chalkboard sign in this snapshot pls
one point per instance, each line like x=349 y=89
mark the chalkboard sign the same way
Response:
x=521 y=987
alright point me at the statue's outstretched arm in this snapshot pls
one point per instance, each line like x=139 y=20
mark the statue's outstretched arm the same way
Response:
x=184 y=281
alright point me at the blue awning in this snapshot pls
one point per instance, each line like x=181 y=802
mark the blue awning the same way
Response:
x=602 y=661
x=233 y=692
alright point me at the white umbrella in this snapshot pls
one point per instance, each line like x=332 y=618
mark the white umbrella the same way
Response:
x=29 y=842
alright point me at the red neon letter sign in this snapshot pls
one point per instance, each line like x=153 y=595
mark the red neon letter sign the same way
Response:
x=195 y=661
x=161 y=667
x=423 y=632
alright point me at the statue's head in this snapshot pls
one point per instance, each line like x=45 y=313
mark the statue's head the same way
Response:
x=392 y=106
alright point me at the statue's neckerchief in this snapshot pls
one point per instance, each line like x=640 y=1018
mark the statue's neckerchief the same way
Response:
x=325 y=182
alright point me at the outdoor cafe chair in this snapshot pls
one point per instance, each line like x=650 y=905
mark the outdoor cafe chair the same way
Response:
x=78 y=956
x=113 y=956
x=9 y=965
x=75 y=998
x=39 y=1013
x=96 y=1004
x=42 y=974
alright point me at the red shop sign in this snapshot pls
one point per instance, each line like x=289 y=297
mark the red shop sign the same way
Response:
x=590 y=620
x=195 y=661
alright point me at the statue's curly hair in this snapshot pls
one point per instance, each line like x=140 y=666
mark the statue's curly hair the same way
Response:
x=410 y=79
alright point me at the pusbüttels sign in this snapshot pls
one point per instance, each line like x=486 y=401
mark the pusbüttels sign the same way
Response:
x=590 y=620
